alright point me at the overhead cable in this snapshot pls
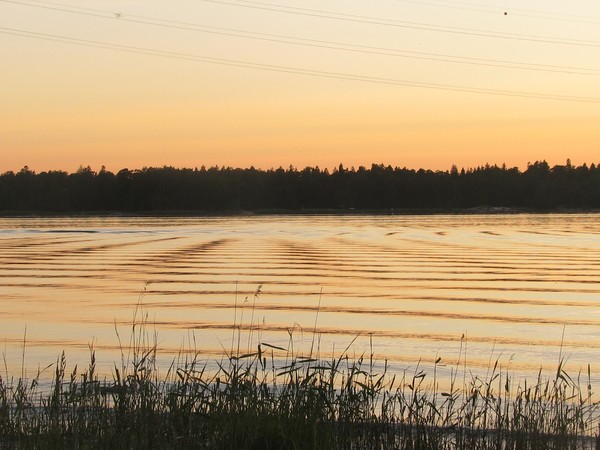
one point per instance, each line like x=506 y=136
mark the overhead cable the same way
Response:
x=295 y=40
x=403 y=24
x=352 y=18
x=293 y=70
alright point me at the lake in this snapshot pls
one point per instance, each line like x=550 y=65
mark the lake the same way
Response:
x=522 y=289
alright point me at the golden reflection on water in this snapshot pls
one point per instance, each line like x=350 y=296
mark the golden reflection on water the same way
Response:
x=511 y=284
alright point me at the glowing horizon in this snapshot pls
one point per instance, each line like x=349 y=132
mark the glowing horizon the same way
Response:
x=67 y=103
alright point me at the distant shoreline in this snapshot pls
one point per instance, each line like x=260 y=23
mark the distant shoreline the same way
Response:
x=377 y=190
x=483 y=210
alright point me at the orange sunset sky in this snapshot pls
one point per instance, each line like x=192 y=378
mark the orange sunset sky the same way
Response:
x=280 y=82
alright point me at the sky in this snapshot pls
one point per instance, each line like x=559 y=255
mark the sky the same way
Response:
x=274 y=83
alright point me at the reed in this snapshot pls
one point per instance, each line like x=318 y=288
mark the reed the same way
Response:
x=274 y=397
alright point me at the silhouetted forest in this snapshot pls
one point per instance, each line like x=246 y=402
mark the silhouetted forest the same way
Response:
x=225 y=189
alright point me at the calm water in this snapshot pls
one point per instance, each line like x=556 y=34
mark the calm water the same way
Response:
x=521 y=288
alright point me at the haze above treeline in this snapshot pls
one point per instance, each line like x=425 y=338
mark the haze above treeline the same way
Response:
x=227 y=189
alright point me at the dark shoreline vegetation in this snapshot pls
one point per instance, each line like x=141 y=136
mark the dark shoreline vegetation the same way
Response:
x=486 y=189
x=263 y=396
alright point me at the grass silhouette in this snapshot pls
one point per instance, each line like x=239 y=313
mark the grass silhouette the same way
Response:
x=273 y=397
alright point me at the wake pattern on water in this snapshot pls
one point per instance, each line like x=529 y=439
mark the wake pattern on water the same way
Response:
x=522 y=287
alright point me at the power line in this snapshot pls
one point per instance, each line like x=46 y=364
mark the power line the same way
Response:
x=403 y=24
x=533 y=11
x=294 y=40
x=292 y=70
x=344 y=17
x=518 y=12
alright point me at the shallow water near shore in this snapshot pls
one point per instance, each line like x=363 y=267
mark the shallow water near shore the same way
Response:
x=523 y=289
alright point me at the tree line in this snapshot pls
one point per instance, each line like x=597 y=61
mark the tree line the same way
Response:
x=226 y=189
